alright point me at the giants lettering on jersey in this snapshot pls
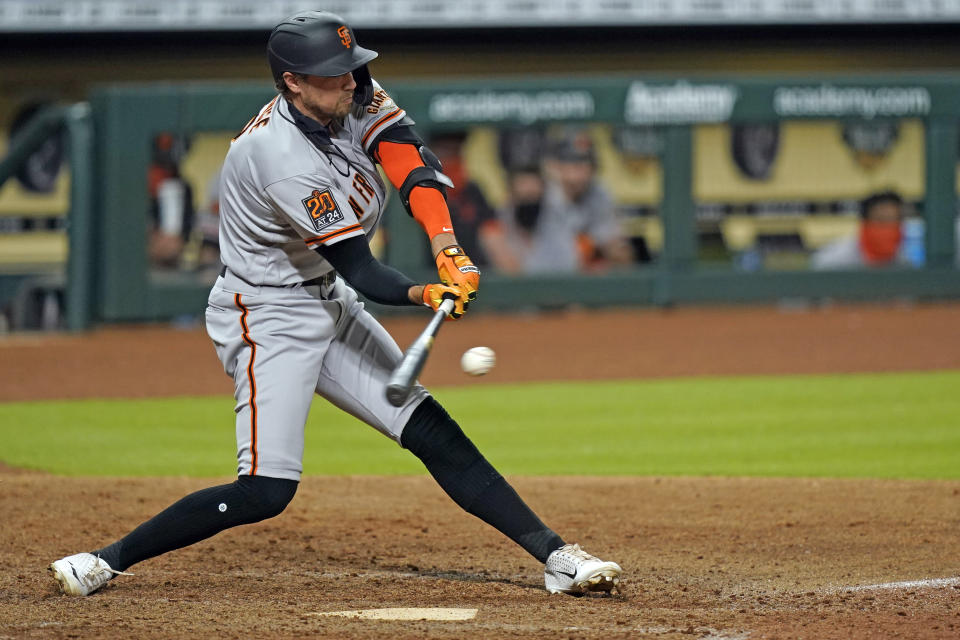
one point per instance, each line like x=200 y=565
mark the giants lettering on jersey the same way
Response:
x=379 y=98
x=363 y=194
x=322 y=209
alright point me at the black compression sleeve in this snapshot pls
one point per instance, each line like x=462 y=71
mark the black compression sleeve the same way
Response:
x=199 y=516
x=378 y=282
x=460 y=470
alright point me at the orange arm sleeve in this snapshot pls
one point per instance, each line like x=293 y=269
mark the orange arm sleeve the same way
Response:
x=427 y=205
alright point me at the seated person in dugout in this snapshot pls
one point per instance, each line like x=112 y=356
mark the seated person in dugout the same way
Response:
x=879 y=241
x=171 y=203
x=516 y=222
x=562 y=220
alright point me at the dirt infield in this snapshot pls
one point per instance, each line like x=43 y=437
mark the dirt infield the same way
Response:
x=706 y=558
x=711 y=558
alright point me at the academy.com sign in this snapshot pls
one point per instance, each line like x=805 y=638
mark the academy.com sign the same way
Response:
x=680 y=102
x=866 y=102
x=523 y=106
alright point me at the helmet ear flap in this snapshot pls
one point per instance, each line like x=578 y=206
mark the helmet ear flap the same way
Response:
x=363 y=94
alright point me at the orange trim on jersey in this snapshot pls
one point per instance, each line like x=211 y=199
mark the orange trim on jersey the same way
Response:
x=262 y=117
x=252 y=380
x=378 y=123
x=333 y=234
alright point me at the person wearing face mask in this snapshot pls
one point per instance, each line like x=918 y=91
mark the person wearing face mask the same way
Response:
x=562 y=220
x=878 y=243
x=513 y=243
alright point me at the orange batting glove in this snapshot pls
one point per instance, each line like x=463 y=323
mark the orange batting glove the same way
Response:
x=435 y=294
x=455 y=268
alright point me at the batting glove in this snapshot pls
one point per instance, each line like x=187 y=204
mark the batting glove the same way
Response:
x=456 y=268
x=435 y=294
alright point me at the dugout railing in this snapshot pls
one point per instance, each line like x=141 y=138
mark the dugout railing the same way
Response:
x=110 y=279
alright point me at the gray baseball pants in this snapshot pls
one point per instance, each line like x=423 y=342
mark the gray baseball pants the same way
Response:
x=282 y=345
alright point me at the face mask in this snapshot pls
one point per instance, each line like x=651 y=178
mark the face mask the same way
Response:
x=527 y=215
x=880 y=241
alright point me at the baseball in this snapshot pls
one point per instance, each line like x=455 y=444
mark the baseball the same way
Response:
x=478 y=360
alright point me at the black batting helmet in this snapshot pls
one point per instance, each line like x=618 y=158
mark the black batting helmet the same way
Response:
x=319 y=43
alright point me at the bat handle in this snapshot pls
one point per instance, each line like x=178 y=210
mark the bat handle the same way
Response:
x=398 y=388
x=438 y=317
x=446 y=306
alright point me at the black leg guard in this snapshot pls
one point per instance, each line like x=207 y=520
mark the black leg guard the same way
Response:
x=466 y=476
x=199 y=516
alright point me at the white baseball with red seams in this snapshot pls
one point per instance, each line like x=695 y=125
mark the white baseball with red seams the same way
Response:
x=478 y=361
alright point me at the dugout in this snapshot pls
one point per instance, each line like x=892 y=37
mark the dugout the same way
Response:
x=110 y=279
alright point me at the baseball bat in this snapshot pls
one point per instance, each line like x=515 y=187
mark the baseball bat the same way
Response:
x=403 y=377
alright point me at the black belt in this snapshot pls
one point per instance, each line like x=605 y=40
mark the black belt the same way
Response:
x=326 y=279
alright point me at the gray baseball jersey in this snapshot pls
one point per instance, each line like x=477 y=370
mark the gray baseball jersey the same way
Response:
x=281 y=196
x=280 y=338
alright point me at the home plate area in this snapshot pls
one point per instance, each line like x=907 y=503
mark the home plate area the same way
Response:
x=404 y=613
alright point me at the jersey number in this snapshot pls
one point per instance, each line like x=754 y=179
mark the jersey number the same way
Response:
x=322 y=209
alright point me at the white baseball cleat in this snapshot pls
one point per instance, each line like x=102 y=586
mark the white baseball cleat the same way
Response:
x=82 y=573
x=572 y=570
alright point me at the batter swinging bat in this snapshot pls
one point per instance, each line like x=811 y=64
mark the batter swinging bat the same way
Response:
x=403 y=377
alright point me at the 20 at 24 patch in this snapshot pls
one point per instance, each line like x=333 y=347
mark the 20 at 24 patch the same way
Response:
x=322 y=208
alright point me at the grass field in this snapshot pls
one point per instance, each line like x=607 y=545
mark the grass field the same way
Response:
x=864 y=425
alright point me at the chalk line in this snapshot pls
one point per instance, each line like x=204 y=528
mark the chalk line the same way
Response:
x=908 y=584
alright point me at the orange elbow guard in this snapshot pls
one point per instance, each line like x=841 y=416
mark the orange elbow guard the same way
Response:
x=420 y=186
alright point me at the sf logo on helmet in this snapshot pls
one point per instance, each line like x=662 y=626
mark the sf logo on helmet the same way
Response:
x=344 y=34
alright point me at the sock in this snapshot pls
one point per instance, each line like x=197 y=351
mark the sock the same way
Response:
x=199 y=516
x=466 y=476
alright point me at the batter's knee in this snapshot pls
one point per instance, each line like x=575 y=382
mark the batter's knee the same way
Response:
x=429 y=428
x=456 y=464
x=266 y=497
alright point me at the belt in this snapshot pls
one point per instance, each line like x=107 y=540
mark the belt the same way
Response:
x=325 y=280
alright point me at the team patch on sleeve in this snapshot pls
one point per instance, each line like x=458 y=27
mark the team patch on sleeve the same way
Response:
x=322 y=208
x=380 y=101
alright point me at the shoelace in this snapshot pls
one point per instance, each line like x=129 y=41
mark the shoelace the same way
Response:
x=577 y=552
x=98 y=570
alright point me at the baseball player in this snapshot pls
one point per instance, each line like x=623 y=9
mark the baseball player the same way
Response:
x=300 y=196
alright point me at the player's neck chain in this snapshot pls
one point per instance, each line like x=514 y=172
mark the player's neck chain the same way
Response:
x=319 y=136
x=317 y=133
